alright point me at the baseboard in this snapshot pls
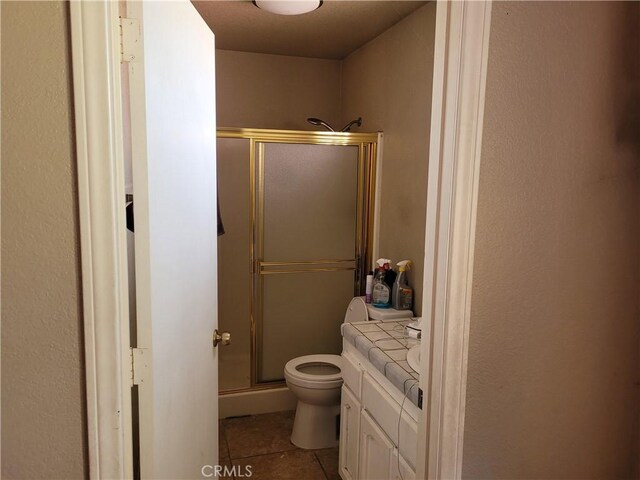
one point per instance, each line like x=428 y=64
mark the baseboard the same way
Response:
x=256 y=402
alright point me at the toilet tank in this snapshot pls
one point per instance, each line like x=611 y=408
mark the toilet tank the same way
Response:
x=359 y=311
x=386 y=314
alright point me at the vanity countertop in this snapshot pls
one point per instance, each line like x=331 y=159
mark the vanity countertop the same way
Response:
x=385 y=345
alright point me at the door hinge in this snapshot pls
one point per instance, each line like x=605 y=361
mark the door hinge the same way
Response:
x=130 y=40
x=139 y=365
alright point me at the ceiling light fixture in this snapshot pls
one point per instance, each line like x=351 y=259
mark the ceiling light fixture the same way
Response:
x=288 y=7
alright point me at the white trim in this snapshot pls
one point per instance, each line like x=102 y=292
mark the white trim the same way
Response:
x=460 y=67
x=96 y=77
x=377 y=202
x=255 y=402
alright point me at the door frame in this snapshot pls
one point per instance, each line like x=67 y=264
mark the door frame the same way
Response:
x=461 y=52
x=95 y=43
x=457 y=113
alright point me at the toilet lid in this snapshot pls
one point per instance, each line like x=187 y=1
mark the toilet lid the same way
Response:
x=356 y=311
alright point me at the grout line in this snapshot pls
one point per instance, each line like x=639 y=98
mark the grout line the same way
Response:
x=326 y=475
x=232 y=465
x=226 y=442
x=222 y=432
x=263 y=454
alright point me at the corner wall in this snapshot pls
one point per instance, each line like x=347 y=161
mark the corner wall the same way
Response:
x=257 y=90
x=388 y=83
x=553 y=352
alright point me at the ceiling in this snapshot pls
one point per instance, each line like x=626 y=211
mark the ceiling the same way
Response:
x=332 y=31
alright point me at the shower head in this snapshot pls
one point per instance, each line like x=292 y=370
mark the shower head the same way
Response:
x=317 y=121
x=347 y=127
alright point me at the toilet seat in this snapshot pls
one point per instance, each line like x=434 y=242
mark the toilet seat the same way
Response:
x=314 y=380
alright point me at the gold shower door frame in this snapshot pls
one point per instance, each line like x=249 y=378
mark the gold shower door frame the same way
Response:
x=366 y=175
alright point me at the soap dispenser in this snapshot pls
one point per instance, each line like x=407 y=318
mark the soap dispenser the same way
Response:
x=402 y=293
x=381 y=296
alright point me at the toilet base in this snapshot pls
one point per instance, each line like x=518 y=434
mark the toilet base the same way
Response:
x=315 y=426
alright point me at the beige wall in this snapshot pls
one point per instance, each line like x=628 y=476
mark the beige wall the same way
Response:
x=553 y=350
x=388 y=83
x=276 y=91
x=43 y=418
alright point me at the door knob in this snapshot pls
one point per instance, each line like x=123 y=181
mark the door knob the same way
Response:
x=224 y=338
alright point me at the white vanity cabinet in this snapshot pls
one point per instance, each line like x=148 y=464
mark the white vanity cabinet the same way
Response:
x=369 y=426
x=400 y=469
x=349 y=434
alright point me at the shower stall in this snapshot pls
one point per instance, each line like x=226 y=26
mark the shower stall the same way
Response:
x=298 y=217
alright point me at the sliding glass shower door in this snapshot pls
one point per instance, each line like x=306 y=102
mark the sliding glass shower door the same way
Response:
x=307 y=249
x=307 y=213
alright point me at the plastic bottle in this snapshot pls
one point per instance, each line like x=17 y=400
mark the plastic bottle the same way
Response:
x=369 y=288
x=402 y=292
x=381 y=295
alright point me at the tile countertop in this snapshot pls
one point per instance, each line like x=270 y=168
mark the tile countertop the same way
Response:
x=385 y=345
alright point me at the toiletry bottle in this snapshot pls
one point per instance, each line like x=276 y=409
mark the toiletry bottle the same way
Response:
x=381 y=296
x=369 y=288
x=402 y=292
x=390 y=276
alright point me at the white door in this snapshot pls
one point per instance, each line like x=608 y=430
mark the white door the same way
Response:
x=173 y=128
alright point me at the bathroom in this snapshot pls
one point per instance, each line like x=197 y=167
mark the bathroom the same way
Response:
x=542 y=309
x=382 y=74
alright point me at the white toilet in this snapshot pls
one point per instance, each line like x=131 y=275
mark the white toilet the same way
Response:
x=316 y=381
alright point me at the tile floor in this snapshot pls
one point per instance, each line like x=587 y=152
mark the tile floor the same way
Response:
x=262 y=441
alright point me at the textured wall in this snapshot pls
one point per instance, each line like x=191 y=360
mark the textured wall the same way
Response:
x=276 y=91
x=553 y=350
x=43 y=426
x=388 y=83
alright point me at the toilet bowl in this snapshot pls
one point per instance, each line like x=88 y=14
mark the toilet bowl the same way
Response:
x=316 y=381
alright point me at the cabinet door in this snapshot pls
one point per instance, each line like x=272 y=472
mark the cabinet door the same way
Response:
x=376 y=450
x=400 y=469
x=349 y=435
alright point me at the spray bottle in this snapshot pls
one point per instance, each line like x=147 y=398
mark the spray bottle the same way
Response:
x=402 y=292
x=381 y=296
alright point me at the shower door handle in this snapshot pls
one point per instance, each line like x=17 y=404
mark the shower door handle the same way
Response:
x=224 y=338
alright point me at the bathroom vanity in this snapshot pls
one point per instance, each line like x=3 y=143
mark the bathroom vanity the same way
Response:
x=379 y=404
